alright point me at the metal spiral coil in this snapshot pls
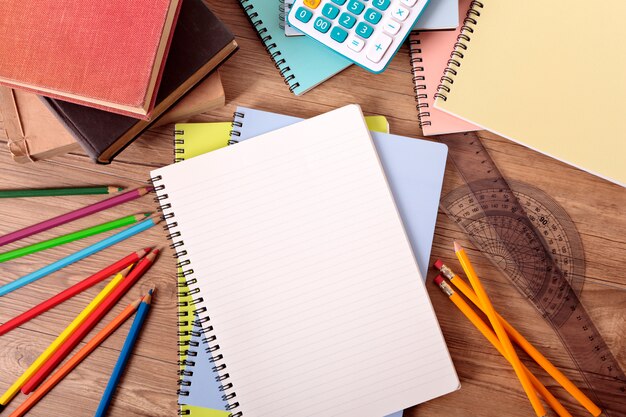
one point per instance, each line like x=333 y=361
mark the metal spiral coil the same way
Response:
x=461 y=45
x=280 y=63
x=418 y=83
x=189 y=297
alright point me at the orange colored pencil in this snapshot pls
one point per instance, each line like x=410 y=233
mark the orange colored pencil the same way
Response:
x=493 y=339
x=521 y=341
x=491 y=314
x=75 y=360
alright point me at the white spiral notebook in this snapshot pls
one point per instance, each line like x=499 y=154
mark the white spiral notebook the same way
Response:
x=303 y=275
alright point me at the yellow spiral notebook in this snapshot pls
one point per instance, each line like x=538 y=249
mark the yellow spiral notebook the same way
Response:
x=548 y=75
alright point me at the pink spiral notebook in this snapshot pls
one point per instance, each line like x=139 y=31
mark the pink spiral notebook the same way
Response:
x=430 y=52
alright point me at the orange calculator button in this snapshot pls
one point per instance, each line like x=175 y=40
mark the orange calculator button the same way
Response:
x=312 y=3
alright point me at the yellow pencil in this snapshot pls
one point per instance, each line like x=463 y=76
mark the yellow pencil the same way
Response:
x=521 y=341
x=490 y=312
x=14 y=389
x=493 y=339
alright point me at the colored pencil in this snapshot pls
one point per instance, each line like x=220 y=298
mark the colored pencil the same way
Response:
x=127 y=349
x=71 y=237
x=73 y=290
x=521 y=341
x=490 y=312
x=73 y=215
x=65 y=334
x=53 y=192
x=81 y=254
x=75 y=360
x=91 y=322
x=493 y=339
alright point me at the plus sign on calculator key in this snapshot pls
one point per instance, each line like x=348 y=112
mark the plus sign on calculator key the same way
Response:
x=369 y=32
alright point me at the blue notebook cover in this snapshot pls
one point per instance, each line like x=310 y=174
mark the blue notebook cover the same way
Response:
x=414 y=170
x=439 y=14
x=303 y=62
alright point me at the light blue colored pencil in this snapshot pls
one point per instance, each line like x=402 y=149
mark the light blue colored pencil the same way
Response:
x=127 y=349
x=81 y=254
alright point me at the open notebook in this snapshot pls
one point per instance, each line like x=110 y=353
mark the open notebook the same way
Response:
x=301 y=260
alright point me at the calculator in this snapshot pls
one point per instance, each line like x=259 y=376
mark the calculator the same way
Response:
x=368 y=32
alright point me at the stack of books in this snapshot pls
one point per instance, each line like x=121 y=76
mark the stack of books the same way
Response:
x=100 y=85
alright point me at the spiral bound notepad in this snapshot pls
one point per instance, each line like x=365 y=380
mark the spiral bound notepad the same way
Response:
x=292 y=56
x=546 y=74
x=302 y=274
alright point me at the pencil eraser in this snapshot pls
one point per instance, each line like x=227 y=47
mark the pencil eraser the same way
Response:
x=438 y=264
x=438 y=279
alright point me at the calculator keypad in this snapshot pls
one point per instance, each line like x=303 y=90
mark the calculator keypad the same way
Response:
x=367 y=31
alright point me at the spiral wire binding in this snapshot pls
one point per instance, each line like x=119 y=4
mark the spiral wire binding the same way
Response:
x=418 y=80
x=270 y=46
x=178 y=141
x=188 y=297
x=237 y=123
x=461 y=45
x=281 y=14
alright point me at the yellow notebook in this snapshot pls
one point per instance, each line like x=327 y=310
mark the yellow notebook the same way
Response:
x=548 y=75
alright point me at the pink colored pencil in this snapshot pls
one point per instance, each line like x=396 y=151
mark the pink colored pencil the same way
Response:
x=74 y=215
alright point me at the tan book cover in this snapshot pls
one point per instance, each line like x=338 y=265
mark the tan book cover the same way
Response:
x=32 y=130
x=208 y=95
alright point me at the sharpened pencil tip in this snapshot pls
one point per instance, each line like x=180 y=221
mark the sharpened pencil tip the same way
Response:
x=457 y=246
x=112 y=189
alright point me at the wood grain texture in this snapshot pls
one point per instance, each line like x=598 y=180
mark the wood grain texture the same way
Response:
x=489 y=387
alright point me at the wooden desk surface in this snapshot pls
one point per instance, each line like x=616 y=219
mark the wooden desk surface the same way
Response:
x=148 y=388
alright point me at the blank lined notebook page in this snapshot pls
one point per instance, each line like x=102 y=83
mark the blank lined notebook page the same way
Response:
x=303 y=266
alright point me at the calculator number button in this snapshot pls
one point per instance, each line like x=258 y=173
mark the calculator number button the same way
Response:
x=339 y=2
x=330 y=11
x=338 y=34
x=321 y=25
x=400 y=13
x=312 y=3
x=347 y=20
x=378 y=48
x=392 y=27
x=408 y=3
x=356 y=44
x=304 y=15
x=356 y=7
x=373 y=16
x=381 y=4
x=364 y=30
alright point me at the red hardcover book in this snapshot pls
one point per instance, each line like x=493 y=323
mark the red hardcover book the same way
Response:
x=103 y=54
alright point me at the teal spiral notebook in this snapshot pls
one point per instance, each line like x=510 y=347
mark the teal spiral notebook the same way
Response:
x=302 y=62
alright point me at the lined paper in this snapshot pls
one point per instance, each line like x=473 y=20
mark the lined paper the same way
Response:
x=307 y=274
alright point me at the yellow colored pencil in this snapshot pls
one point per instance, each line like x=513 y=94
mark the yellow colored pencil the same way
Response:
x=490 y=312
x=493 y=339
x=65 y=334
x=521 y=341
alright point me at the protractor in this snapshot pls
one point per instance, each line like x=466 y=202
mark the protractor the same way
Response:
x=495 y=223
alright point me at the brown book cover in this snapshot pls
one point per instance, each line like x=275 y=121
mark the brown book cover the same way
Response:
x=206 y=96
x=32 y=130
x=104 y=54
x=200 y=44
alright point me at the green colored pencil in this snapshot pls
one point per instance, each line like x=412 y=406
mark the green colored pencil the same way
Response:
x=81 y=234
x=48 y=192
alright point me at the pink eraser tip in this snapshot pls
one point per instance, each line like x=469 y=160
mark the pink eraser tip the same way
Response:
x=438 y=279
x=438 y=264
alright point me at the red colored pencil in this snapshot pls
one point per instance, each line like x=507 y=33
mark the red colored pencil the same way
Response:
x=67 y=347
x=73 y=290
x=73 y=215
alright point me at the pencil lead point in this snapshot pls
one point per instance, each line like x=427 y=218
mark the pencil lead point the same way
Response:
x=457 y=246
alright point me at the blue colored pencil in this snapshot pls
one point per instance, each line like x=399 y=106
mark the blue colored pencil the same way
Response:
x=81 y=254
x=129 y=343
